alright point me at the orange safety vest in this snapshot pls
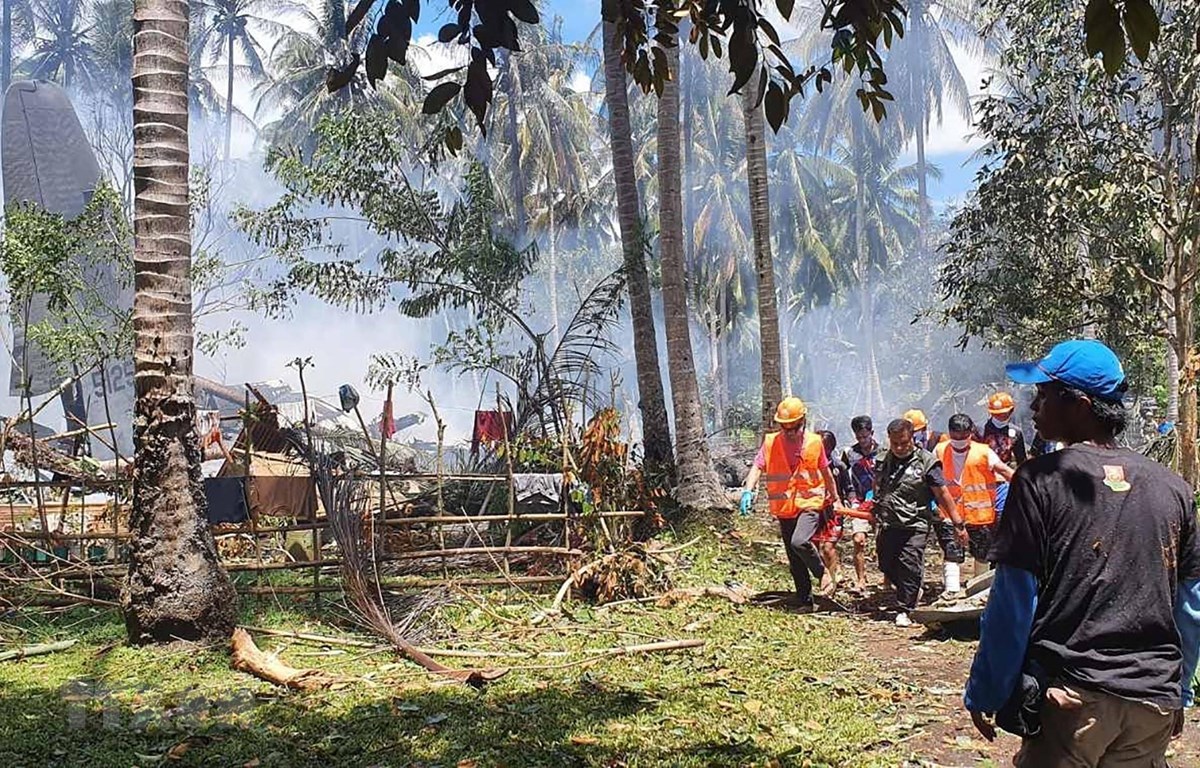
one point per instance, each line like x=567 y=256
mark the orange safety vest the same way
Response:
x=791 y=492
x=974 y=491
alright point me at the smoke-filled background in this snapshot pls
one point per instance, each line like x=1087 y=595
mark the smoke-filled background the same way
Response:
x=856 y=259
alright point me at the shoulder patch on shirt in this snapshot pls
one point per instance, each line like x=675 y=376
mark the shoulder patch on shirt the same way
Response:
x=1114 y=478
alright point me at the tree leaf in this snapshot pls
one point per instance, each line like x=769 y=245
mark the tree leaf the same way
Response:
x=439 y=97
x=478 y=89
x=358 y=14
x=454 y=138
x=785 y=7
x=525 y=11
x=743 y=58
x=441 y=74
x=377 y=59
x=448 y=32
x=1102 y=25
x=776 y=106
x=1141 y=23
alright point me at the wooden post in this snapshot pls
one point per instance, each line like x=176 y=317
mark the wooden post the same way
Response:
x=512 y=485
x=301 y=364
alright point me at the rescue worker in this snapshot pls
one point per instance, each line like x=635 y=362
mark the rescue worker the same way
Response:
x=795 y=467
x=922 y=435
x=970 y=469
x=1000 y=433
x=860 y=458
x=907 y=480
x=1089 y=643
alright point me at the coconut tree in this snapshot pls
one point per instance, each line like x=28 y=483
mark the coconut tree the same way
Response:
x=62 y=49
x=656 y=434
x=295 y=88
x=176 y=587
x=698 y=486
x=764 y=262
x=927 y=79
x=543 y=145
x=230 y=28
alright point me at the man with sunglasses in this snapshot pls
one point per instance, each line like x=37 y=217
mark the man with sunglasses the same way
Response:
x=1091 y=634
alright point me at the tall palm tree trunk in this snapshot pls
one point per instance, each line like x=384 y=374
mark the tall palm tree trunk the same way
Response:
x=515 y=180
x=176 y=587
x=656 y=430
x=229 y=100
x=764 y=263
x=698 y=488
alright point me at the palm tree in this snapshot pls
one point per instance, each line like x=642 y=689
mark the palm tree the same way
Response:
x=804 y=237
x=656 y=432
x=698 y=488
x=927 y=78
x=545 y=145
x=837 y=127
x=112 y=47
x=295 y=88
x=764 y=263
x=718 y=231
x=176 y=587
x=16 y=29
x=229 y=28
x=62 y=50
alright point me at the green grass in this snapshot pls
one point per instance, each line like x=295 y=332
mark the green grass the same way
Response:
x=768 y=688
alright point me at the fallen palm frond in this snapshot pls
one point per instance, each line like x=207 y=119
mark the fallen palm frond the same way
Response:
x=347 y=505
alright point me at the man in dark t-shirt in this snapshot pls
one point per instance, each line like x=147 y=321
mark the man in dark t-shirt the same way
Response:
x=1097 y=582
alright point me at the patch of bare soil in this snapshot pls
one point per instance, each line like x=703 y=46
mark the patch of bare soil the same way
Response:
x=925 y=671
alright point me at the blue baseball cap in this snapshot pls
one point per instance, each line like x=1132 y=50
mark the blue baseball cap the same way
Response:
x=1085 y=364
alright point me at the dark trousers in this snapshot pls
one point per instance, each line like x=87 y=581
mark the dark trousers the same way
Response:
x=803 y=559
x=901 y=553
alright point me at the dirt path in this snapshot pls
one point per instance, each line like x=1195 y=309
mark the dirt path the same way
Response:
x=926 y=671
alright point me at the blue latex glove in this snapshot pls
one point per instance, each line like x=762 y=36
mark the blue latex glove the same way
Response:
x=747 y=500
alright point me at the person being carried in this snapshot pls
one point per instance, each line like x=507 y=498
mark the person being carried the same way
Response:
x=860 y=459
x=793 y=464
x=1091 y=634
x=907 y=480
x=970 y=469
x=830 y=532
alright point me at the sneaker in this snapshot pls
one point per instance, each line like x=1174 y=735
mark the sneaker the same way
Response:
x=902 y=620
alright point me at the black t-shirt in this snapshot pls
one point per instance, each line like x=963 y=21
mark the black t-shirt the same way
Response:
x=1109 y=534
x=841 y=477
x=904 y=489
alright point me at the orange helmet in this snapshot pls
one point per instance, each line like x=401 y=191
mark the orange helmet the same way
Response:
x=1000 y=404
x=916 y=418
x=790 y=410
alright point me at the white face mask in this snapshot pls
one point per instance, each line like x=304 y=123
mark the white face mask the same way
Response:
x=1000 y=422
x=960 y=445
